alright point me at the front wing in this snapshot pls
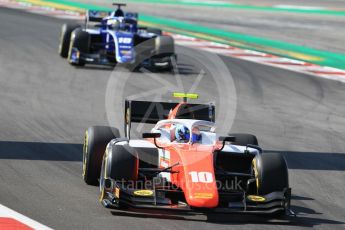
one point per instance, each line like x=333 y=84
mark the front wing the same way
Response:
x=115 y=195
x=78 y=57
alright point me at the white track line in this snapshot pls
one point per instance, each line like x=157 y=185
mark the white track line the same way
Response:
x=9 y=213
x=263 y=58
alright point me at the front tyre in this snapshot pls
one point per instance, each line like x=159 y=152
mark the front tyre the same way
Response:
x=95 y=141
x=65 y=38
x=80 y=43
x=271 y=173
x=120 y=163
x=164 y=46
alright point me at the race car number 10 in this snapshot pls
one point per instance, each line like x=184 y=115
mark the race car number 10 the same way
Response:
x=203 y=177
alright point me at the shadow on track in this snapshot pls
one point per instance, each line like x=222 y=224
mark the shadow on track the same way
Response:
x=299 y=221
x=314 y=160
x=181 y=70
x=185 y=69
x=233 y=219
x=303 y=218
x=40 y=151
x=94 y=67
x=73 y=152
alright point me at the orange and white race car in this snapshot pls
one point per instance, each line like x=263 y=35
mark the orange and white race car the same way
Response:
x=182 y=164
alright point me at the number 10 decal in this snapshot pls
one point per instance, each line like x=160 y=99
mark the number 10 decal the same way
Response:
x=203 y=177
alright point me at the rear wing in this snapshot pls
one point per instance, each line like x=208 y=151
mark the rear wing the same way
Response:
x=152 y=112
x=96 y=15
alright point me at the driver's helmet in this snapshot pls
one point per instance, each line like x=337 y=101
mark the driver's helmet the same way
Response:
x=182 y=133
x=115 y=24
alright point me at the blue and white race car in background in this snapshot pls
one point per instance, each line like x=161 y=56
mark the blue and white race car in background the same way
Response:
x=114 y=37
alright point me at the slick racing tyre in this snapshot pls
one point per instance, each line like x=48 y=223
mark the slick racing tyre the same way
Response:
x=164 y=45
x=244 y=139
x=80 y=40
x=164 y=50
x=95 y=141
x=120 y=163
x=65 y=38
x=271 y=173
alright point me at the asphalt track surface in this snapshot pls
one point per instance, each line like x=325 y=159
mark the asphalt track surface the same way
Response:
x=46 y=105
x=323 y=32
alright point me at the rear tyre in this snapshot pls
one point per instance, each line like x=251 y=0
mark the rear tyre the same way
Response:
x=271 y=172
x=65 y=38
x=95 y=141
x=80 y=40
x=244 y=139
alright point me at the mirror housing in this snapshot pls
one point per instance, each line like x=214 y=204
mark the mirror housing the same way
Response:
x=151 y=135
x=154 y=136
x=227 y=138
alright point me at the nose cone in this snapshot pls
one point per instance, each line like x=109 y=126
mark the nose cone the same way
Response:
x=200 y=187
x=203 y=199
